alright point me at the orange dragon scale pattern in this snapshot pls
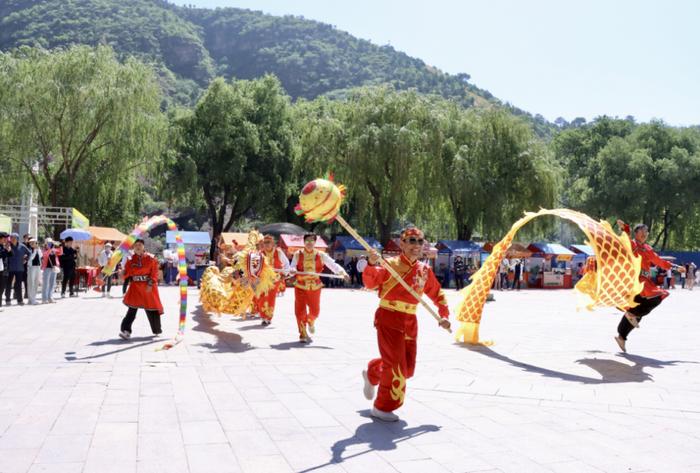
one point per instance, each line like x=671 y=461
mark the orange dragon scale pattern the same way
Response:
x=613 y=283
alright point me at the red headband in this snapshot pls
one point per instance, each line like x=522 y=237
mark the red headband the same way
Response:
x=411 y=232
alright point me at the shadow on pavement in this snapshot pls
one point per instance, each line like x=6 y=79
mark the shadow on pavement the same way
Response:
x=293 y=345
x=378 y=435
x=126 y=345
x=611 y=371
x=226 y=342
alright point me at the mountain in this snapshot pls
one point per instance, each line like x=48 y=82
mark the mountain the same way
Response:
x=189 y=46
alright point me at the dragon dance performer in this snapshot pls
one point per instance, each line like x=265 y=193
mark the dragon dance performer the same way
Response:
x=307 y=288
x=275 y=258
x=141 y=270
x=651 y=295
x=396 y=324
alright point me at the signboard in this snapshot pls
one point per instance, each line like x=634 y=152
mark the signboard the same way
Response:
x=553 y=279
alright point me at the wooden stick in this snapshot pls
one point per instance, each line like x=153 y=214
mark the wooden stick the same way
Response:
x=303 y=273
x=386 y=266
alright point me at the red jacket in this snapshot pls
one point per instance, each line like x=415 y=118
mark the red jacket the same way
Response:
x=143 y=285
x=418 y=275
x=649 y=258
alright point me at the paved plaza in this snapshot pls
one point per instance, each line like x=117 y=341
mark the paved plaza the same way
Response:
x=551 y=395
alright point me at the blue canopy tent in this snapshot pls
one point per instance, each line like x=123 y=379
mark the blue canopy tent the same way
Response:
x=578 y=262
x=196 y=252
x=348 y=247
x=448 y=250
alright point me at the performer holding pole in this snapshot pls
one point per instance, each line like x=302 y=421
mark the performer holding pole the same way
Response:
x=651 y=295
x=307 y=288
x=395 y=321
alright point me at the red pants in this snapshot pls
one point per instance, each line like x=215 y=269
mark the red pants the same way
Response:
x=307 y=305
x=265 y=304
x=396 y=337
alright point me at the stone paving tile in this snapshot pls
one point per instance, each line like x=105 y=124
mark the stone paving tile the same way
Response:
x=551 y=395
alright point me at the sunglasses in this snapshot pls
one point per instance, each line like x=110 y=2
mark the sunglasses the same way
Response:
x=414 y=241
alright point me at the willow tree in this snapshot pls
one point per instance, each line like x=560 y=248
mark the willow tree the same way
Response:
x=236 y=149
x=492 y=169
x=83 y=126
x=385 y=144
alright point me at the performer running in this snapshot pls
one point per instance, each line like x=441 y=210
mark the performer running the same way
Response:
x=651 y=295
x=141 y=270
x=307 y=288
x=275 y=257
x=395 y=321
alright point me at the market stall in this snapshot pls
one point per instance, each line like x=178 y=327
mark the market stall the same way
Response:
x=448 y=250
x=555 y=261
x=578 y=262
x=346 y=247
x=233 y=241
x=197 y=246
x=292 y=243
x=99 y=236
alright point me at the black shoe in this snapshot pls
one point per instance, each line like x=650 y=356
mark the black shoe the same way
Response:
x=20 y=303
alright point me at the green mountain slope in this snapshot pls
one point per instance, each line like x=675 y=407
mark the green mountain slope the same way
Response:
x=310 y=58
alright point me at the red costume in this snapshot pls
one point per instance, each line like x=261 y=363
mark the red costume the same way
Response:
x=265 y=303
x=651 y=295
x=649 y=258
x=397 y=327
x=142 y=272
x=307 y=288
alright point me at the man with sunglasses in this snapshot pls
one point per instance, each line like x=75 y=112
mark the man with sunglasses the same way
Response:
x=274 y=256
x=396 y=324
x=307 y=288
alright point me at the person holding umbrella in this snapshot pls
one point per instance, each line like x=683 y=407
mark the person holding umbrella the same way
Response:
x=68 y=258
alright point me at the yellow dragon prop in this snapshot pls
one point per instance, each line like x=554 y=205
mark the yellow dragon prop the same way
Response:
x=613 y=283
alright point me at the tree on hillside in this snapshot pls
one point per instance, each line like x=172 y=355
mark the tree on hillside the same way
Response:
x=82 y=126
x=236 y=149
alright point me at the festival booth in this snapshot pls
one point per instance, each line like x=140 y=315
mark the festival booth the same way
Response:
x=578 y=262
x=532 y=277
x=292 y=243
x=197 y=246
x=346 y=247
x=555 y=260
x=99 y=237
x=233 y=241
x=448 y=250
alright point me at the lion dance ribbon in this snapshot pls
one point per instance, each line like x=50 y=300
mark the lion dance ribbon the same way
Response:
x=613 y=282
x=139 y=232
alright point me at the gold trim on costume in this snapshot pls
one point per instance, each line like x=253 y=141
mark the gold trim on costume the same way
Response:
x=398 y=306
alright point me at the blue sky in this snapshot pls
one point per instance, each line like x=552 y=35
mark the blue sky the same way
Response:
x=556 y=58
